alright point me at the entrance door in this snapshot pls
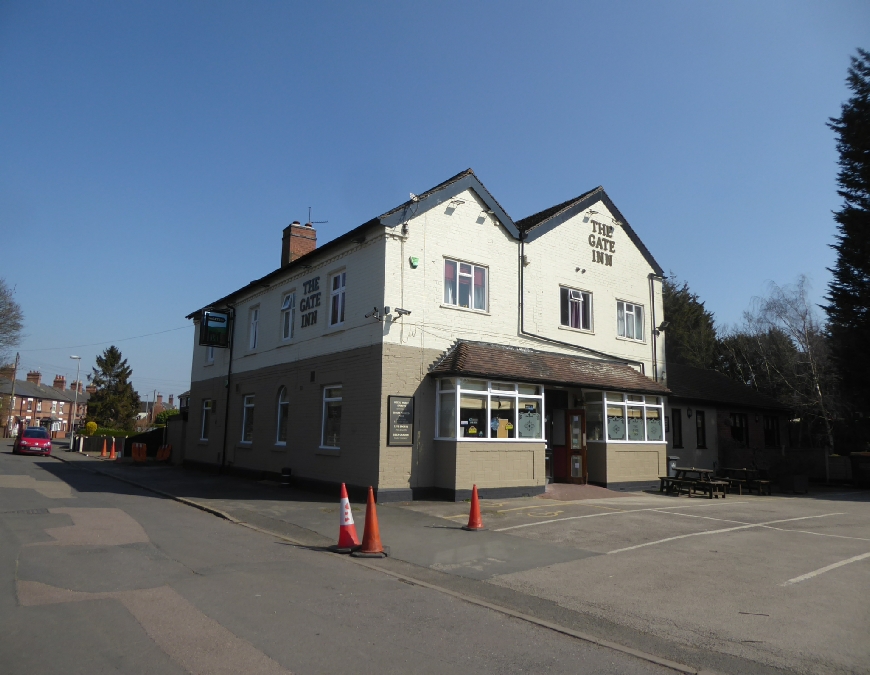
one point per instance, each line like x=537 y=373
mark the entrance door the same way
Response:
x=575 y=435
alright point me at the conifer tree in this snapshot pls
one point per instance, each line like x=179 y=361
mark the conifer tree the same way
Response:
x=690 y=337
x=849 y=291
x=114 y=404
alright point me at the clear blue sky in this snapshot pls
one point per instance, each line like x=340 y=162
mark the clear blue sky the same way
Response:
x=152 y=152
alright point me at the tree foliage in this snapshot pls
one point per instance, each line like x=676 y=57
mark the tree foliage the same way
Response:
x=164 y=415
x=849 y=291
x=114 y=404
x=690 y=337
x=11 y=319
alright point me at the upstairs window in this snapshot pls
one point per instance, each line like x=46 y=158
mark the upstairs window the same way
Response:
x=254 y=334
x=288 y=315
x=576 y=308
x=464 y=285
x=54 y=406
x=629 y=320
x=336 y=299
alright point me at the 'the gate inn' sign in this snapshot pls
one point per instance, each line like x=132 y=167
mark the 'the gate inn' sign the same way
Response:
x=310 y=301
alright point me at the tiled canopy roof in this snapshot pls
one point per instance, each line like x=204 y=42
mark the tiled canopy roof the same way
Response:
x=482 y=359
x=699 y=384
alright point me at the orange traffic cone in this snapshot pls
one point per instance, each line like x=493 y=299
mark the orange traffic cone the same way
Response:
x=347 y=539
x=103 y=453
x=475 y=522
x=112 y=454
x=371 y=543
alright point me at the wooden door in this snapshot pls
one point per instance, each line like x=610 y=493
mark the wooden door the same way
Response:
x=575 y=436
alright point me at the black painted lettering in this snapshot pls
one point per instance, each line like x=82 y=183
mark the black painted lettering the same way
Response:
x=608 y=260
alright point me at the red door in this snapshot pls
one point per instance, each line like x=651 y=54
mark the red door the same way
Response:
x=575 y=437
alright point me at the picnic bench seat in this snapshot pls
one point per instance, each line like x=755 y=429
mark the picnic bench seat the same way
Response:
x=670 y=484
x=710 y=487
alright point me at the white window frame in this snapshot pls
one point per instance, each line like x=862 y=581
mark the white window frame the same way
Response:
x=493 y=388
x=625 y=313
x=209 y=355
x=455 y=301
x=254 y=327
x=288 y=315
x=627 y=402
x=39 y=405
x=207 y=409
x=30 y=405
x=248 y=402
x=340 y=294
x=54 y=406
x=584 y=297
x=330 y=399
x=283 y=402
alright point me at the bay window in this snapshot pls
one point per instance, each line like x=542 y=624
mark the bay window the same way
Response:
x=481 y=409
x=630 y=417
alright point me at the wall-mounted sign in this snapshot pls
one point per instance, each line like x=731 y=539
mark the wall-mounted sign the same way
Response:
x=401 y=420
x=601 y=241
x=214 y=329
x=310 y=302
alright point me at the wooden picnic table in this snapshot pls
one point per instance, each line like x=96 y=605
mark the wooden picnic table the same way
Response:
x=693 y=479
x=749 y=478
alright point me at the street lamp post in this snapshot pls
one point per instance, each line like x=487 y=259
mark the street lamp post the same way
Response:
x=72 y=436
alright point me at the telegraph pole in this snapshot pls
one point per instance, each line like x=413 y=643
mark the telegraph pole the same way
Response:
x=12 y=395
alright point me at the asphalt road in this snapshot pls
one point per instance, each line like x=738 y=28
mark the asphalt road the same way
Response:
x=101 y=577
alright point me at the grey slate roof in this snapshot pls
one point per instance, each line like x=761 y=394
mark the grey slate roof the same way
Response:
x=699 y=384
x=492 y=361
x=43 y=391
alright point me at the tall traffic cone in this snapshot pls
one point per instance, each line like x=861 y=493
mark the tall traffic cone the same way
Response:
x=475 y=522
x=103 y=453
x=371 y=543
x=112 y=454
x=347 y=539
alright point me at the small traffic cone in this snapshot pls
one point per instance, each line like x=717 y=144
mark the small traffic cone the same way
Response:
x=475 y=522
x=347 y=539
x=371 y=543
x=103 y=453
x=112 y=454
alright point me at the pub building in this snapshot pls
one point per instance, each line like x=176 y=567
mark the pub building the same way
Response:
x=441 y=345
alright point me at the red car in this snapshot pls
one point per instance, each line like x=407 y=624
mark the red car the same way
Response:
x=34 y=441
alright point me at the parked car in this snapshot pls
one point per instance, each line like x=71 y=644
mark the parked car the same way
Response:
x=34 y=441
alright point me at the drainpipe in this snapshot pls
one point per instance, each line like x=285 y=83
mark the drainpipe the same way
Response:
x=522 y=322
x=654 y=326
x=227 y=399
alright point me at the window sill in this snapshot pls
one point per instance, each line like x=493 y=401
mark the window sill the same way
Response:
x=492 y=440
x=627 y=339
x=202 y=441
x=466 y=309
x=208 y=363
x=333 y=330
x=331 y=452
x=585 y=331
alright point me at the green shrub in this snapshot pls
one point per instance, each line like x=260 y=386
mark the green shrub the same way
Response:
x=103 y=431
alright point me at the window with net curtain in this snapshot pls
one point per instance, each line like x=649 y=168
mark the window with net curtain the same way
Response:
x=629 y=320
x=464 y=285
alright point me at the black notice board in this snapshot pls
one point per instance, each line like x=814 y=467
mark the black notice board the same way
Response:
x=401 y=420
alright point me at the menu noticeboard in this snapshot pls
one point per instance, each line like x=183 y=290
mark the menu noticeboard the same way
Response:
x=401 y=420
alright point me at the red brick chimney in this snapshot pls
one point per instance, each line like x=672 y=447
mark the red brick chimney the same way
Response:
x=7 y=372
x=59 y=382
x=34 y=376
x=297 y=241
x=75 y=384
x=159 y=399
x=91 y=389
x=170 y=400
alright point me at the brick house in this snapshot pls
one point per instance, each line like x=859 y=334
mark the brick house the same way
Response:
x=37 y=404
x=440 y=345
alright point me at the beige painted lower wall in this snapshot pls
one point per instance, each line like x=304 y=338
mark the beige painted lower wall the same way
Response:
x=596 y=460
x=635 y=461
x=494 y=464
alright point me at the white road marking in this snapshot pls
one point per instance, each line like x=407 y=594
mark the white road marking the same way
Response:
x=768 y=527
x=810 y=575
x=720 y=531
x=610 y=513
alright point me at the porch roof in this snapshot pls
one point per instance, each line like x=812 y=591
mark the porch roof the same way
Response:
x=502 y=362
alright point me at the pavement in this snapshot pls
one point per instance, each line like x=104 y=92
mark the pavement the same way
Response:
x=748 y=584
